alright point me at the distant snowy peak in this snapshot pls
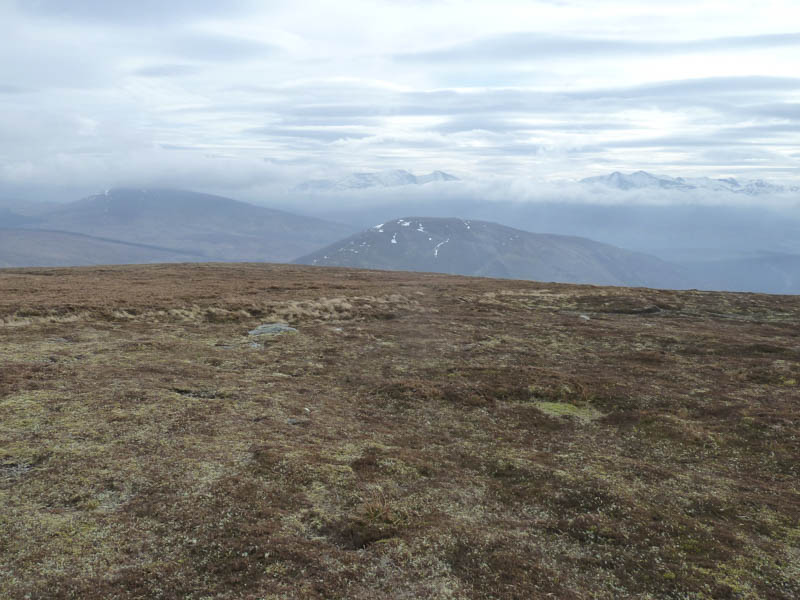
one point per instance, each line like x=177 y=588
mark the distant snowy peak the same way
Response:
x=436 y=176
x=357 y=181
x=380 y=179
x=637 y=180
x=480 y=248
x=643 y=180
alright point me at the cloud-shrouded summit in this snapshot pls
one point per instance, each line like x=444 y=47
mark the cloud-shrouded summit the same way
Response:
x=382 y=179
x=245 y=97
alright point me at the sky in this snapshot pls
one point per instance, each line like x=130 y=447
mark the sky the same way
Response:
x=248 y=96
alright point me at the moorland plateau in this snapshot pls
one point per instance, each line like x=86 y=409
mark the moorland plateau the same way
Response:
x=418 y=436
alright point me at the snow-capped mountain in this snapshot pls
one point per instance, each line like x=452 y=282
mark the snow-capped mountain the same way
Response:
x=470 y=247
x=644 y=180
x=357 y=181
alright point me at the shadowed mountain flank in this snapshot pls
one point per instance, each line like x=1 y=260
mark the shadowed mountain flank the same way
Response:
x=42 y=248
x=216 y=227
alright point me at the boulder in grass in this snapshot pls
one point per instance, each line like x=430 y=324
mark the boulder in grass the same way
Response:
x=271 y=329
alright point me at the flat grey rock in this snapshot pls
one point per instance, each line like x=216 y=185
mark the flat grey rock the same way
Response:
x=271 y=329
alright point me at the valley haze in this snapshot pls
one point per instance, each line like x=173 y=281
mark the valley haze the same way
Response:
x=725 y=234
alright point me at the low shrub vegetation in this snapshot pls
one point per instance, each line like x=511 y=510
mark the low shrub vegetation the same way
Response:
x=419 y=436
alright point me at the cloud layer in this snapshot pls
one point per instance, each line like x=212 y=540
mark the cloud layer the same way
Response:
x=248 y=97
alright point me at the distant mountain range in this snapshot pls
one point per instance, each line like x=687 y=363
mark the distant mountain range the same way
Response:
x=467 y=247
x=644 y=180
x=186 y=223
x=744 y=246
x=360 y=181
x=8 y=218
x=638 y=180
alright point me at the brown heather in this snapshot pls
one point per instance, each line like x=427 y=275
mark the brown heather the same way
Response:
x=420 y=436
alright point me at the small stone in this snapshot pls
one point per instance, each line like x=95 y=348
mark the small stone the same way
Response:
x=271 y=329
x=293 y=421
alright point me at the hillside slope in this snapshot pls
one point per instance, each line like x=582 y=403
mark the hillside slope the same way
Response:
x=418 y=436
x=467 y=247
x=9 y=218
x=770 y=273
x=41 y=248
x=215 y=227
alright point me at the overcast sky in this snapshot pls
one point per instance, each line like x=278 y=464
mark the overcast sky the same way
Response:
x=241 y=95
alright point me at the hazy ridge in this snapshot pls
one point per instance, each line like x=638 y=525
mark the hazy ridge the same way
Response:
x=743 y=247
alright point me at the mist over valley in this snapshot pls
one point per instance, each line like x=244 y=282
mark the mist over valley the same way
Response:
x=699 y=233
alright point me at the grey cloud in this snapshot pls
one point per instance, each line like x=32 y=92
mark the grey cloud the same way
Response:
x=513 y=199
x=218 y=48
x=444 y=103
x=698 y=87
x=416 y=143
x=757 y=131
x=72 y=102
x=127 y=13
x=737 y=155
x=578 y=126
x=166 y=70
x=513 y=149
x=324 y=134
x=683 y=141
x=328 y=120
x=782 y=110
x=224 y=108
x=61 y=64
x=12 y=89
x=311 y=103
x=527 y=46
x=335 y=110
x=706 y=92
x=747 y=135
x=311 y=117
x=500 y=125
x=488 y=123
x=176 y=147
x=326 y=115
